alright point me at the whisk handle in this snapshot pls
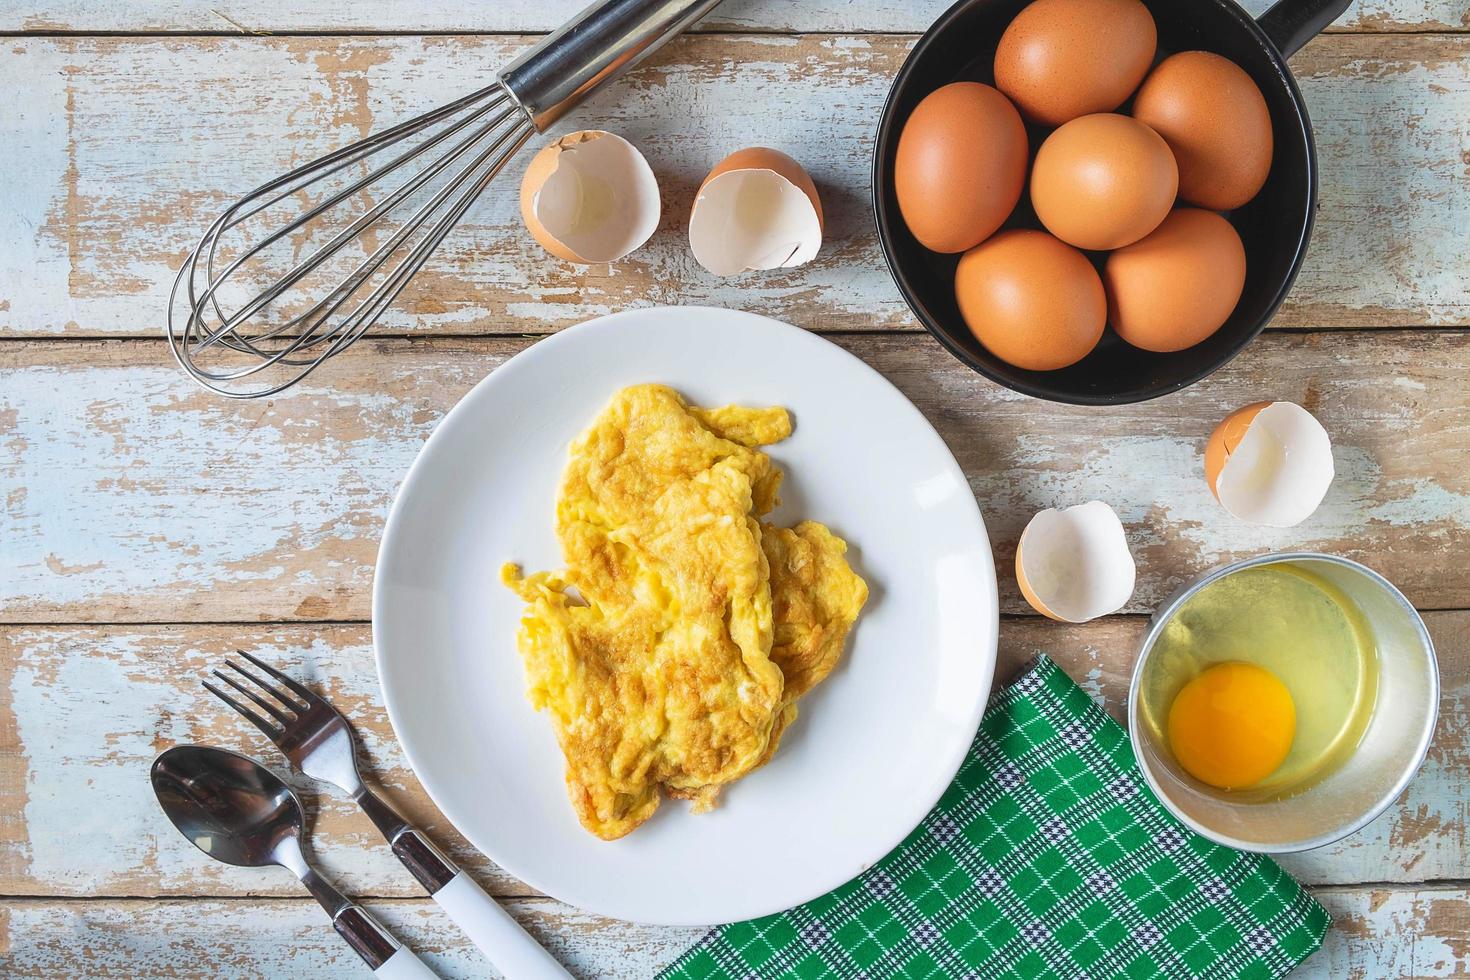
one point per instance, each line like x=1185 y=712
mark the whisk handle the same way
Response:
x=601 y=42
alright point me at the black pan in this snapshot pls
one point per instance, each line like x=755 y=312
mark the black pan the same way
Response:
x=1274 y=226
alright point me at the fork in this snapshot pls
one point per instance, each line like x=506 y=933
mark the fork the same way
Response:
x=317 y=740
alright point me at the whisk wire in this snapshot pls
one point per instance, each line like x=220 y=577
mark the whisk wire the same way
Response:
x=349 y=233
x=356 y=323
x=226 y=326
x=478 y=133
x=437 y=233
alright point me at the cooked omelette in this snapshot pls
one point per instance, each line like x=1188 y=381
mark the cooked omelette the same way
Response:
x=671 y=650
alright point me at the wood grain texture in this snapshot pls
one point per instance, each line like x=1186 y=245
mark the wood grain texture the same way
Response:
x=126 y=497
x=84 y=710
x=125 y=148
x=1377 y=934
x=276 y=938
x=482 y=16
x=131 y=496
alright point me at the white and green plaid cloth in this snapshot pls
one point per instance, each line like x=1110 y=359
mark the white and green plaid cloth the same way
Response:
x=1047 y=857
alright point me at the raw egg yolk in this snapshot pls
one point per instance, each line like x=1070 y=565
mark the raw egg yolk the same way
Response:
x=1232 y=726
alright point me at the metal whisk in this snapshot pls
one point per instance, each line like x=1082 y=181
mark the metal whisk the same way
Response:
x=302 y=266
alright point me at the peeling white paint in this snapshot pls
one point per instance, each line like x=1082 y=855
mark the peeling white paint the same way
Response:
x=244 y=941
x=91 y=713
x=125 y=492
x=1394 y=936
x=543 y=15
x=129 y=490
x=140 y=177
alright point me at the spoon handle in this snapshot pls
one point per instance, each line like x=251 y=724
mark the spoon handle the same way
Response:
x=379 y=950
x=403 y=965
x=512 y=950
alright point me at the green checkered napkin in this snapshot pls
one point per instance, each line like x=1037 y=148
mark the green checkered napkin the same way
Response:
x=1047 y=857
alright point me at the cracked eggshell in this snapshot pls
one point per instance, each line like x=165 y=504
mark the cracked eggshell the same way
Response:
x=757 y=209
x=1074 y=564
x=589 y=197
x=1270 y=463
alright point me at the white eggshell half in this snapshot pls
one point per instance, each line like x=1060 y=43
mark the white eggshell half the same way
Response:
x=1074 y=564
x=1280 y=471
x=601 y=200
x=753 y=219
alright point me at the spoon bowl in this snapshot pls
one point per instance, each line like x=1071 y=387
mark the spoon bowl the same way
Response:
x=237 y=811
x=231 y=807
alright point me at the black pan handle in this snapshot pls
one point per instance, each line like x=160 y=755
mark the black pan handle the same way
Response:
x=1292 y=23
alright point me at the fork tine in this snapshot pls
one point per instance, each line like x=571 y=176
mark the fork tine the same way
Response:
x=271 y=731
x=275 y=712
x=265 y=685
x=306 y=693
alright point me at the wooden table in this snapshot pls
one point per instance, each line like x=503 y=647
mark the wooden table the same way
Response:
x=148 y=528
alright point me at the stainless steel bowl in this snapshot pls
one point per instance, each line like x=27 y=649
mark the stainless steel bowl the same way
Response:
x=1392 y=749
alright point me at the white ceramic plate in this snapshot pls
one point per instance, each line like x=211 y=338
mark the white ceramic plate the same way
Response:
x=874 y=746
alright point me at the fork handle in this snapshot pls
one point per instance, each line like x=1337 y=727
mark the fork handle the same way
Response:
x=501 y=938
x=513 y=950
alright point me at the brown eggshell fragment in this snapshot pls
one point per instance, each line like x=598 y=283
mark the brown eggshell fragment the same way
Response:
x=1270 y=464
x=1060 y=59
x=1177 y=286
x=1032 y=301
x=1103 y=181
x=589 y=197
x=765 y=158
x=960 y=166
x=1214 y=118
x=1073 y=563
x=1225 y=438
x=541 y=167
x=757 y=209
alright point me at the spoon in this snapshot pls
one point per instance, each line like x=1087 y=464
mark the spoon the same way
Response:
x=237 y=811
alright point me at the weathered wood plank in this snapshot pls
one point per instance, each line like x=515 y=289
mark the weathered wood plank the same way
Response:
x=479 y=16
x=84 y=710
x=1377 y=934
x=279 y=938
x=112 y=176
x=131 y=496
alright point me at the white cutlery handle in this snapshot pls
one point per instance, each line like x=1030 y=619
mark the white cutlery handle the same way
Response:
x=403 y=965
x=498 y=936
x=384 y=955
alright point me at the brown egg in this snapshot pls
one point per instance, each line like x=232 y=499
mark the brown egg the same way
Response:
x=1215 y=120
x=960 y=166
x=1177 y=286
x=1031 y=300
x=1060 y=59
x=1103 y=181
